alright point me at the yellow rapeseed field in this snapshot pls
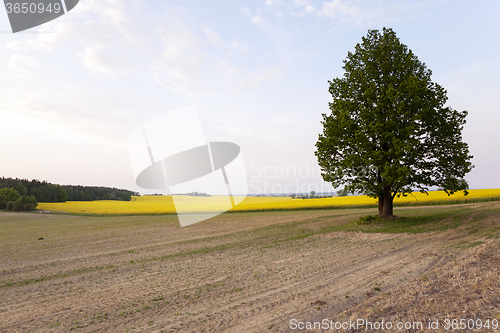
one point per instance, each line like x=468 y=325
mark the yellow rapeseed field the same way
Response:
x=164 y=204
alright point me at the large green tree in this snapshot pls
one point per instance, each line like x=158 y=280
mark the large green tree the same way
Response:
x=389 y=131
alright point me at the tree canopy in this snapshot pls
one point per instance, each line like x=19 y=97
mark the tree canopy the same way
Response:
x=389 y=131
x=6 y=195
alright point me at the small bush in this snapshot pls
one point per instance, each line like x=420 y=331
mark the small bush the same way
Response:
x=24 y=203
x=368 y=219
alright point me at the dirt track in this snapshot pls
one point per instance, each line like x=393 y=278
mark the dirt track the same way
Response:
x=242 y=272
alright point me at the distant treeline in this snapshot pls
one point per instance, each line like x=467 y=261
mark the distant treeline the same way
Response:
x=194 y=194
x=47 y=192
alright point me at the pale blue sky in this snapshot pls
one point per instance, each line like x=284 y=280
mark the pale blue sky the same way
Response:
x=257 y=71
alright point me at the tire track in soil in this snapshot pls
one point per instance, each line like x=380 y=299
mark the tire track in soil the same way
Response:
x=389 y=263
x=278 y=282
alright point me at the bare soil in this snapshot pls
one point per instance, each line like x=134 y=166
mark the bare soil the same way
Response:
x=240 y=272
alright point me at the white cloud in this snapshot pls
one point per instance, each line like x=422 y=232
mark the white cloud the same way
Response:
x=254 y=79
x=302 y=3
x=350 y=13
x=250 y=125
x=310 y=9
x=95 y=59
x=212 y=36
x=120 y=41
x=179 y=66
x=256 y=19
x=244 y=80
x=297 y=8
x=346 y=13
x=47 y=38
x=21 y=64
x=276 y=36
x=112 y=11
x=246 y=12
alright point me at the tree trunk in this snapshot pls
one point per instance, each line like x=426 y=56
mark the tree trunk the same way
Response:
x=385 y=205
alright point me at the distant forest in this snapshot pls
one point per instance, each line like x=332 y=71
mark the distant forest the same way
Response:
x=47 y=192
